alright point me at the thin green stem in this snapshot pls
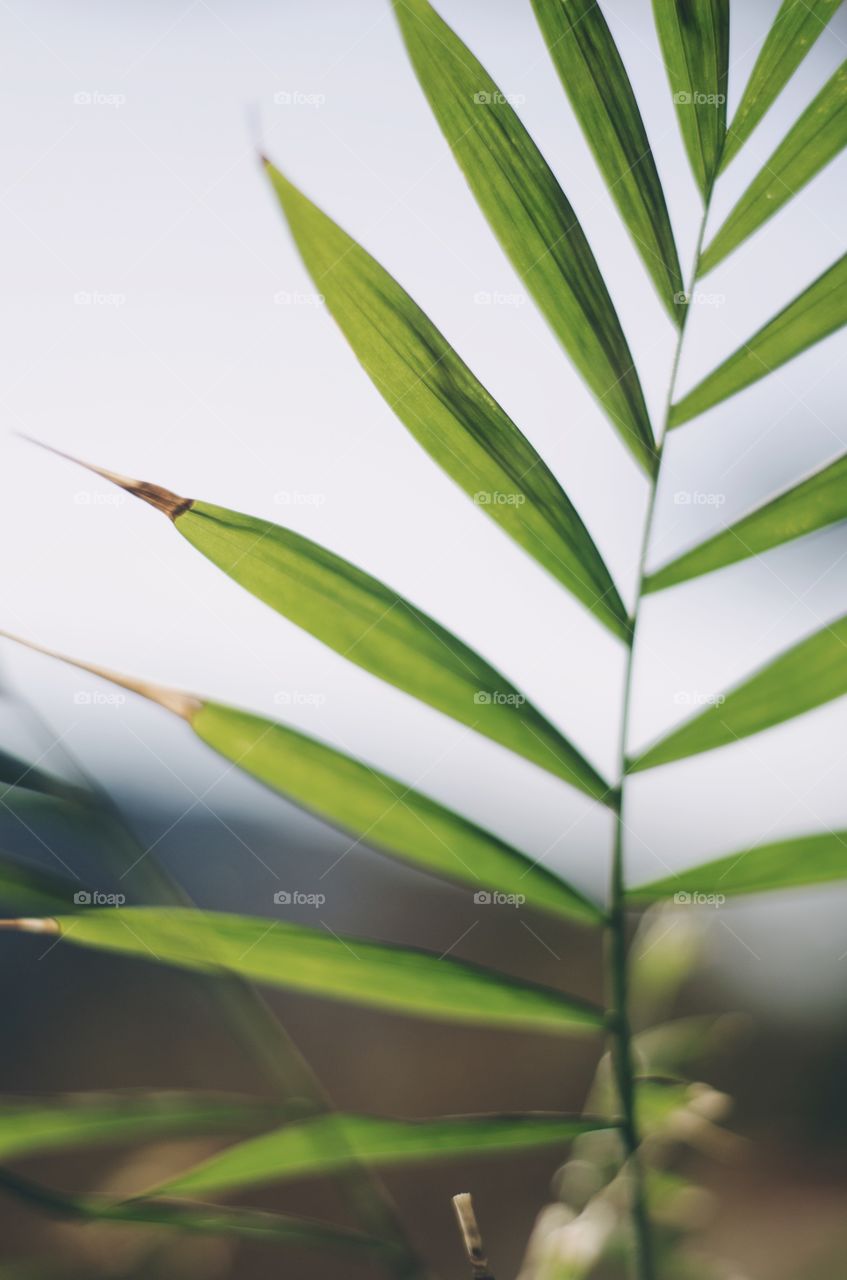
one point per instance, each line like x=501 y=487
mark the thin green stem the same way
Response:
x=617 y=965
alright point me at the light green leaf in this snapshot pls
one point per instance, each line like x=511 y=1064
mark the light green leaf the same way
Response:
x=376 y=628
x=694 y=35
x=786 y=864
x=795 y=29
x=382 y=811
x=446 y=408
x=812 y=316
x=807 y=676
x=816 y=138
x=32 y=891
x=596 y=82
x=530 y=215
x=814 y=503
x=318 y=962
x=331 y=1142
x=32 y=1125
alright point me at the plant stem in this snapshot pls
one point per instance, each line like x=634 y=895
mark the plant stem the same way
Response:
x=617 y=963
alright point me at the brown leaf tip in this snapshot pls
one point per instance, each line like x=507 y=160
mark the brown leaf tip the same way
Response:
x=162 y=499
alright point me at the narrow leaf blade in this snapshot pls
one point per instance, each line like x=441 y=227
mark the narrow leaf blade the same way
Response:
x=795 y=29
x=330 y=1142
x=530 y=215
x=784 y=864
x=378 y=629
x=694 y=35
x=382 y=811
x=596 y=82
x=817 y=137
x=806 y=676
x=446 y=409
x=320 y=963
x=812 y=316
x=31 y=890
x=30 y=1126
x=814 y=503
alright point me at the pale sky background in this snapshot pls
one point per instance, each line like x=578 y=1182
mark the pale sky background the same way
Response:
x=130 y=179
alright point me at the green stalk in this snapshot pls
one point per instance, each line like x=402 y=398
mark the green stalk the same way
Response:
x=617 y=962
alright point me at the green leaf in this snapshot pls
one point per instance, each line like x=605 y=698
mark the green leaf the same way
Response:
x=795 y=29
x=16 y=773
x=814 y=503
x=694 y=35
x=812 y=316
x=786 y=864
x=331 y=1142
x=320 y=963
x=807 y=676
x=596 y=82
x=446 y=408
x=817 y=137
x=531 y=217
x=376 y=628
x=30 y=890
x=382 y=811
x=30 y=1126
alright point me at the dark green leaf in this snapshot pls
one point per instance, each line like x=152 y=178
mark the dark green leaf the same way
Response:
x=380 y=810
x=446 y=408
x=815 y=139
x=318 y=962
x=807 y=676
x=596 y=82
x=694 y=35
x=15 y=773
x=335 y=1141
x=786 y=864
x=376 y=628
x=817 y=501
x=530 y=215
x=795 y=29
x=32 y=891
x=812 y=316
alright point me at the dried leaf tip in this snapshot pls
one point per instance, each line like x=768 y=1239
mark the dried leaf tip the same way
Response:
x=463 y=1204
x=181 y=704
x=33 y=924
x=162 y=499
